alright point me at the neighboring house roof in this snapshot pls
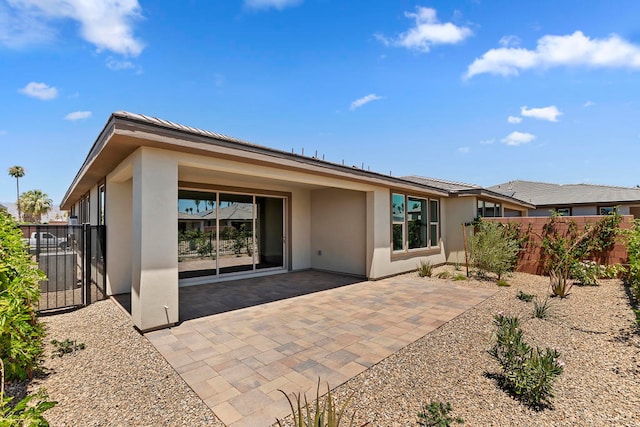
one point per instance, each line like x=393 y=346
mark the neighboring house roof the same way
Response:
x=233 y=212
x=463 y=189
x=3 y=207
x=546 y=194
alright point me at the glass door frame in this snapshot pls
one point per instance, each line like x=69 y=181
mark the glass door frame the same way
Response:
x=218 y=191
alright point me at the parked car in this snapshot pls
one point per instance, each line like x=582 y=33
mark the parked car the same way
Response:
x=45 y=240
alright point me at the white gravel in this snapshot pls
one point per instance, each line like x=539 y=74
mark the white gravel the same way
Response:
x=120 y=379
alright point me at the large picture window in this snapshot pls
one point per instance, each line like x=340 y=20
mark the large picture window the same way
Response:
x=415 y=222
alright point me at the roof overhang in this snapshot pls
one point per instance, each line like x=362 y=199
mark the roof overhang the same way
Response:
x=125 y=132
x=492 y=195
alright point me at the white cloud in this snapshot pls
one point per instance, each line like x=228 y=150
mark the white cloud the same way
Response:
x=267 y=4
x=116 y=65
x=78 y=115
x=40 y=91
x=364 y=100
x=463 y=150
x=514 y=119
x=518 y=138
x=589 y=104
x=427 y=31
x=547 y=113
x=487 y=141
x=509 y=41
x=107 y=24
x=554 y=51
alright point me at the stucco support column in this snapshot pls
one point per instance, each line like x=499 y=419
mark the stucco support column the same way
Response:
x=118 y=226
x=154 y=273
x=378 y=233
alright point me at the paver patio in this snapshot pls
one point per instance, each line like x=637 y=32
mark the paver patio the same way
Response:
x=237 y=360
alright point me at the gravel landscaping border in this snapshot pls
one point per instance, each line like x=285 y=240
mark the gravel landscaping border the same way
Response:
x=120 y=379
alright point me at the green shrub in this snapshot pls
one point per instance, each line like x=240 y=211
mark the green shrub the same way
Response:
x=528 y=373
x=326 y=414
x=20 y=332
x=522 y=296
x=65 y=347
x=23 y=413
x=436 y=414
x=503 y=283
x=425 y=269
x=492 y=249
x=458 y=277
x=541 y=308
x=565 y=250
x=443 y=275
x=633 y=251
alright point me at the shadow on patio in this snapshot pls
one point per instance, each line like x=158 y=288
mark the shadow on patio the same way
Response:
x=215 y=298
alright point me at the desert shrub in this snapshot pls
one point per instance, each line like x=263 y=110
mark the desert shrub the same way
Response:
x=541 y=308
x=522 y=296
x=588 y=272
x=633 y=251
x=503 y=283
x=325 y=414
x=65 y=347
x=436 y=414
x=564 y=247
x=528 y=372
x=443 y=275
x=425 y=269
x=20 y=332
x=492 y=249
x=458 y=277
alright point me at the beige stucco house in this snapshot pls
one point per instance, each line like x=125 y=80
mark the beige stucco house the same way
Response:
x=258 y=211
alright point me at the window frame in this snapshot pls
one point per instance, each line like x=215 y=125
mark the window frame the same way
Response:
x=481 y=208
x=613 y=209
x=427 y=222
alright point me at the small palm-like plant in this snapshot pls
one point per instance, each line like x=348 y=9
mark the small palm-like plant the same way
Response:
x=327 y=414
x=425 y=269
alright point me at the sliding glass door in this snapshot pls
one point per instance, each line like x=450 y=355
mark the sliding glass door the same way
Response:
x=226 y=233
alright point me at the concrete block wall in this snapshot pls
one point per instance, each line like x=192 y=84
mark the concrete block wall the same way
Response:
x=530 y=260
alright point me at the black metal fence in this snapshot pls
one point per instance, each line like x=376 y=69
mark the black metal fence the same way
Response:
x=73 y=259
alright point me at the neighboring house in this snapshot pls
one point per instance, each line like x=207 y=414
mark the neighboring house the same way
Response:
x=147 y=178
x=573 y=199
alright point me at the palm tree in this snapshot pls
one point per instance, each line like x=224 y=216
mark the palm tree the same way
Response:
x=35 y=203
x=17 y=172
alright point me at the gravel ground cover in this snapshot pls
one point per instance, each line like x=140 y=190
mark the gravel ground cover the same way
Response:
x=593 y=328
x=120 y=379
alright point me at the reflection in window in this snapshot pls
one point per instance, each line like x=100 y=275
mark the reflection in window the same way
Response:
x=606 y=210
x=488 y=209
x=415 y=222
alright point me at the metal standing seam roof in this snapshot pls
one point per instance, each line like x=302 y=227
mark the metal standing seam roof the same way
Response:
x=166 y=124
x=441 y=183
x=547 y=194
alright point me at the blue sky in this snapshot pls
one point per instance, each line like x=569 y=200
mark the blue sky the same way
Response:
x=474 y=91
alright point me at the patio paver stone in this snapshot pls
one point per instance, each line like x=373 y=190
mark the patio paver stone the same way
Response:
x=236 y=361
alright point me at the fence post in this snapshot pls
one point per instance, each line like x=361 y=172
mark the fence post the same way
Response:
x=86 y=231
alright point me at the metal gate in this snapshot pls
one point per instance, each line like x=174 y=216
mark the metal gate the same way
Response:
x=73 y=259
